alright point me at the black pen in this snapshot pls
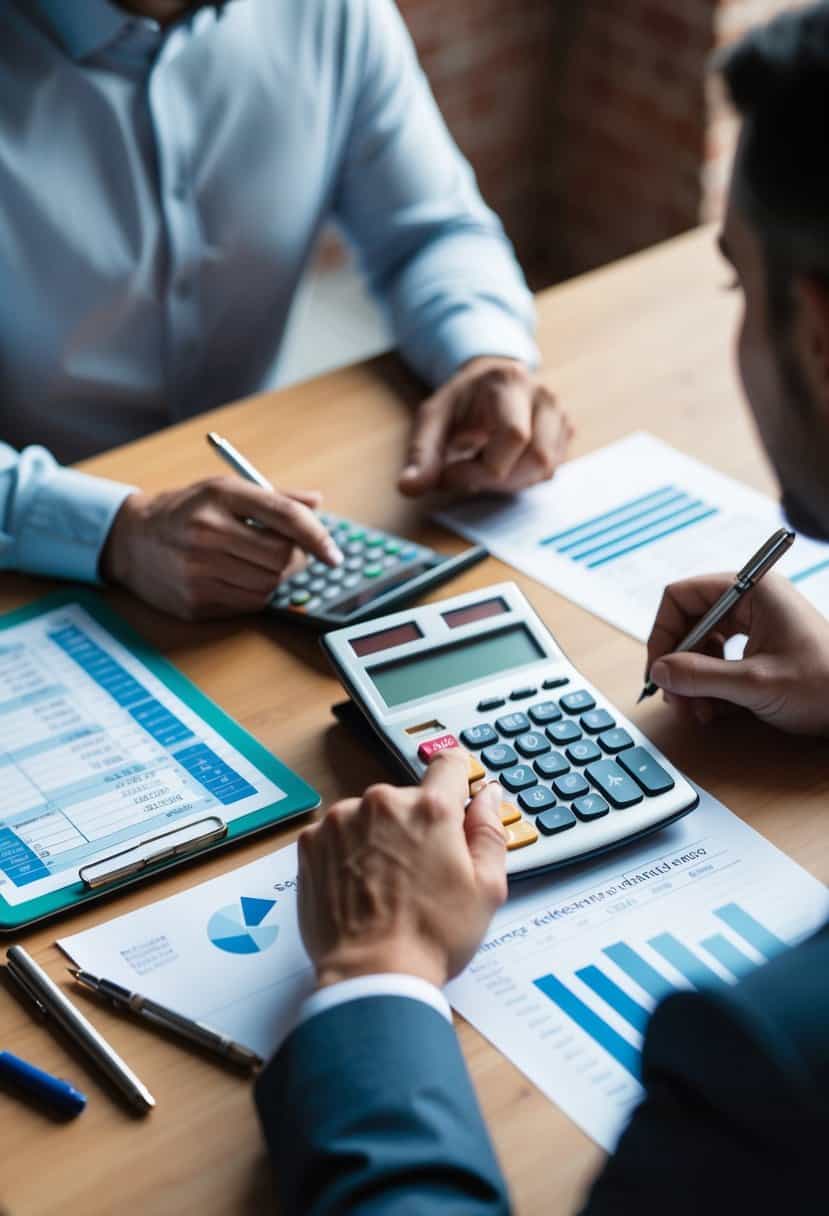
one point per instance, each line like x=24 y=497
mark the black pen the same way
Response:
x=751 y=573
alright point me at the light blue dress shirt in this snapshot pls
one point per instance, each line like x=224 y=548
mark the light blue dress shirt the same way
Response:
x=160 y=194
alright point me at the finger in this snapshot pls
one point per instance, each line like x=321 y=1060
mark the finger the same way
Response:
x=257 y=546
x=284 y=515
x=426 y=447
x=448 y=777
x=226 y=568
x=311 y=498
x=697 y=675
x=485 y=838
x=551 y=436
x=507 y=403
x=683 y=604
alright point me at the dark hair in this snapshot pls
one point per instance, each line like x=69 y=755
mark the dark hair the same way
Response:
x=777 y=77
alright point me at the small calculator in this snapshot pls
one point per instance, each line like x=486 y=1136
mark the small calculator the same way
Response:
x=481 y=671
x=381 y=572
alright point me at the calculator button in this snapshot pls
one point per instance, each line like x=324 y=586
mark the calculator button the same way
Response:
x=353 y=580
x=302 y=579
x=532 y=744
x=563 y=732
x=513 y=724
x=485 y=707
x=519 y=835
x=317 y=585
x=590 y=807
x=571 y=785
x=353 y=563
x=372 y=571
x=314 y=605
x=537 y=799
x=521 y=777
x=389 y=562
x=616 y=786
x=477 y=772
x=407 y=554
x=521 y=694
x=354 y=547
x=327 y=521
x=509 y=814
x=584 y=752
x=392 y=546
x=431 y=747
x=336 y=575
x=299 y=598
x=575 y=702
x=318 y=568
x=556 y=682
x=613 y=741
x=499 y=756
x=375 y=540
x=597 y=720
x=356 y=535
x=478 y=736
x=544 y=712
x=559 y=819
x=646 y=772
x=332 y=593
x=551 y=766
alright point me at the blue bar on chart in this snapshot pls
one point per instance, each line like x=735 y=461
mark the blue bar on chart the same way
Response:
x=750 y=930
x=634 y=1014
x=647 y=977
x=809 y=572
x=633 y=525
x=728 y=955
x=574 y=1008
x=694 y=970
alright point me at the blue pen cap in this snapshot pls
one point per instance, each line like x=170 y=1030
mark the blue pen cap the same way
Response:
x=58 y=1096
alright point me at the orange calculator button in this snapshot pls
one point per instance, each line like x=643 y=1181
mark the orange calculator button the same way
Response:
x=509 y=814
x=519 y=835
x=477 y=773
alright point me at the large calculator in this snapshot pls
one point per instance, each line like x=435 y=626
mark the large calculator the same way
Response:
x=381 y=572
x=482 y=671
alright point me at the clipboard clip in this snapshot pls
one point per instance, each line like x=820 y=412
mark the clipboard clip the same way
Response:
x=177 y=842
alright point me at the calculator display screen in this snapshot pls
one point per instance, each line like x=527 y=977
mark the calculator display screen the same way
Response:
x=373 y=643
x=435 y=671
x=475 y=612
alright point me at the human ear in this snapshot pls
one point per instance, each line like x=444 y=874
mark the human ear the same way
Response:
x=812 y=310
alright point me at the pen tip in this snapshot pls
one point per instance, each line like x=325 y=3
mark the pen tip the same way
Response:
x=74 y=971
x=643 y=694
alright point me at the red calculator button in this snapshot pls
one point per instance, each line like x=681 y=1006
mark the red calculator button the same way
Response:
x=432 y=746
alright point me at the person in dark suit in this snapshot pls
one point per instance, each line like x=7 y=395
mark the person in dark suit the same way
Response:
x=367 y=1106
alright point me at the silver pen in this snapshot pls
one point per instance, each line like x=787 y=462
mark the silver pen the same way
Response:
x=168 y=1019
x=751 y=573
x=237 y=461
x=49 y=999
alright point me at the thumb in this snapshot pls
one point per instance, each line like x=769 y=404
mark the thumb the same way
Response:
x=426 y=448
x=485 y=840
x=700 y=675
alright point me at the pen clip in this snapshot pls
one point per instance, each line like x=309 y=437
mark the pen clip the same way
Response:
x=24 y=986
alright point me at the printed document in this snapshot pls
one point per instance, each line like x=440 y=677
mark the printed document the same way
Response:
x=97 y=753
x=613 y=528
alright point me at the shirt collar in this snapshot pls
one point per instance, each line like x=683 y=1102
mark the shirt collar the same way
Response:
x=85 y=26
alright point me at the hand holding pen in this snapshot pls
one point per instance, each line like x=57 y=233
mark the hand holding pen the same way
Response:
x=784 y=674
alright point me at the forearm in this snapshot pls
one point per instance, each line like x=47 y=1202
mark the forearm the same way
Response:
x=53 y=520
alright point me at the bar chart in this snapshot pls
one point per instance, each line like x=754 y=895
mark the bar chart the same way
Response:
x=632 y=525
x=689 y=964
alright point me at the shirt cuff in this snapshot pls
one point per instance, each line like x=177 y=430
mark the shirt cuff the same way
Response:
x=410 y=986
x=473 y=333
x=66 y=525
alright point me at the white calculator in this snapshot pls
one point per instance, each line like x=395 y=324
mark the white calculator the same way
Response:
x=482 y=671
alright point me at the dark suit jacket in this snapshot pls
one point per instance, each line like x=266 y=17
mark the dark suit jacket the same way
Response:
x=368 y=1108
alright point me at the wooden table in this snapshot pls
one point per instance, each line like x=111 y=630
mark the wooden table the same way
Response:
x=644 y=344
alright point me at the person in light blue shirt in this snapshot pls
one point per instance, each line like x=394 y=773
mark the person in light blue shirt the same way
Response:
x=165 y=169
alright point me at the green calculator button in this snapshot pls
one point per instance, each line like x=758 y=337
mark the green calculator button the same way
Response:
x=374 y=541
x=393 y=546
x=299 y=598
x=357 y=534
x=372 y=571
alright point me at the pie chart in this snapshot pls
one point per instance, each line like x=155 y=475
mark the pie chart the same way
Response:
x=242 y=928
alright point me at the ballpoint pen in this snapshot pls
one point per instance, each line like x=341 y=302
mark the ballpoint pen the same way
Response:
x=168 y=1019
x=751 y=573
x=51 y=1001
x=58 y=1097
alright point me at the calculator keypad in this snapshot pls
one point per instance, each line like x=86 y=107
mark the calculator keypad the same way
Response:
x=597 y=772
x=370 y=559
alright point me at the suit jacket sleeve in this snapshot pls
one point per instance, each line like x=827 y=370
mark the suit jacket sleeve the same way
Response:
x=736 y=1110
x=368 y=1107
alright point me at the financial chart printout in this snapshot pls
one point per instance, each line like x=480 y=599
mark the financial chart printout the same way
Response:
x=571 y=969
x=613 y=528
x=97 y=753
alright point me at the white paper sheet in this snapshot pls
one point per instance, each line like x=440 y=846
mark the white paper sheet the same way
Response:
x=97 y=753
x=227 y=952
x=553 y=985
x=613 y=528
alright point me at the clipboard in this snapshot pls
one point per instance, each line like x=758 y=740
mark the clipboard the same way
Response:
x=228 y=776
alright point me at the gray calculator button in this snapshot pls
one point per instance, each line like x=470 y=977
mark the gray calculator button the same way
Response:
x=354 y=547
x=317 y=585
x=590 y=807
x=318 y=568
x=353 y=580
x=389 y=561
x=584 y=752
x=331 y=593
x=521 y=777
x=645 y=771
x=613 y=741
x=314 y=605
x=302 y=579
x=335 y=575
x=537 y=799
x=571 y=785
x=558 y=819
x=353 y=563
x=614 y=784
